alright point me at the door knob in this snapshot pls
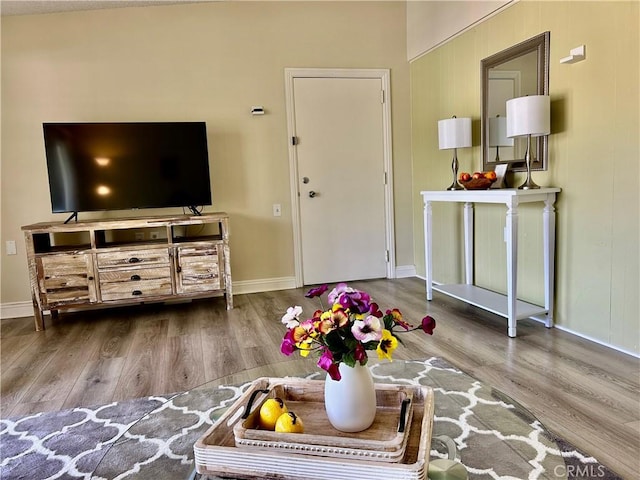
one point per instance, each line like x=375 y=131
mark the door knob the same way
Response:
x=312 y=194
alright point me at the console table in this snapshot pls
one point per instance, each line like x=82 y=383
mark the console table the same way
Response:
x=127 y=260
x=508 y=305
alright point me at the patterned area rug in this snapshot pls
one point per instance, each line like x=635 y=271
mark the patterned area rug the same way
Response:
x=496 y=438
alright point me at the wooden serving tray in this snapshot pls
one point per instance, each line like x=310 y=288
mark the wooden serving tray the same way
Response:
x=216 y=452
x=385 y=440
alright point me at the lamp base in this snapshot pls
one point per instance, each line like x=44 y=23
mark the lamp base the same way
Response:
x=454 y=170
x=528 y=183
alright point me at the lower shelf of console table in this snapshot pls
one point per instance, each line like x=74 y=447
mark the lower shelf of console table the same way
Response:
x=491 y=301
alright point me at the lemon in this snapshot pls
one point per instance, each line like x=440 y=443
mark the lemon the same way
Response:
x=289 y=423
x=270 y=410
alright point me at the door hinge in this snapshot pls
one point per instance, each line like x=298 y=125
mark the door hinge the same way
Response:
x=386 y=255
x=294 y=140
x=381 y=96
x=385 y=178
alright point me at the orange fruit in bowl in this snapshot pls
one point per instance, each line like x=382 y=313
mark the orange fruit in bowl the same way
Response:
x=490 y=175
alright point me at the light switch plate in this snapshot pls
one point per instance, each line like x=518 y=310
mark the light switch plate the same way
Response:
x=11 y=247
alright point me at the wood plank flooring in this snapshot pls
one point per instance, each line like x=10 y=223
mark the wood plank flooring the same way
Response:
x=582 y=391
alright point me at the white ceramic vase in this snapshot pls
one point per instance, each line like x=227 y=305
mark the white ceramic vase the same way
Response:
x=351 y=402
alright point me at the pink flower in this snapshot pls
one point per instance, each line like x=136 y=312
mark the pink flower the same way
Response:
x=367 y=330
x=360 y=354
x=428 y=324
x=375 y=310
x=326 y=363
x=288 y=346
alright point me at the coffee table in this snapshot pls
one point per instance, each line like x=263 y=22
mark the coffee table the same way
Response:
x=495 y=436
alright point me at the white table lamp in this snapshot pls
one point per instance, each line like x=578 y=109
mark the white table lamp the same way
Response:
x=498 y=134
x=454 y=133
x=531 y=117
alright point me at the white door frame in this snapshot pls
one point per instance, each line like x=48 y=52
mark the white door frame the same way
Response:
x=384 y=76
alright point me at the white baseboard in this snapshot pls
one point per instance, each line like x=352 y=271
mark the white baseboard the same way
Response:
x=263 y=285
x=405 y=271
x=16 y=310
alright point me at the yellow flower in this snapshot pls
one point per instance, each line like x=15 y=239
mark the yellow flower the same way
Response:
x=305 y=347
x=388 y=343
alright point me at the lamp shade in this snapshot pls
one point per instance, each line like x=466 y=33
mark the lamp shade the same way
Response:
x=529 y=116
x=454 y=133
x=498 y=132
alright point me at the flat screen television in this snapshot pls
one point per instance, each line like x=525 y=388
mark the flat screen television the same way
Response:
x=122 y=166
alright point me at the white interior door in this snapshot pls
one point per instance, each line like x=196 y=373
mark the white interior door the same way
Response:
x=339 y=131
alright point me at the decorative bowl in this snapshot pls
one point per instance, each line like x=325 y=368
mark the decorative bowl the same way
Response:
x=477 y=184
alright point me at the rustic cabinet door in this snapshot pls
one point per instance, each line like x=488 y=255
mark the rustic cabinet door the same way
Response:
x=66 y=279
x=198 y=269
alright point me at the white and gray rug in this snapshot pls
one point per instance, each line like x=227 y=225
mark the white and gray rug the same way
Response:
x=496 y=437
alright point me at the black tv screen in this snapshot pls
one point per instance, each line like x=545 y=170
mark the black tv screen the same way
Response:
x=121 y=166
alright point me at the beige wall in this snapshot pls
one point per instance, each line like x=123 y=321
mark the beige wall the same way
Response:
x=593 y=153
x=208 y=62
x=431 y=23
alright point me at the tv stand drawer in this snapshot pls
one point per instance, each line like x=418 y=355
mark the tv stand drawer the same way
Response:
x=108 y=277
x=135 y=290
x=129 y=258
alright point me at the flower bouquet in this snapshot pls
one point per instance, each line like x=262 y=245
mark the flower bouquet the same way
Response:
x=341 y=333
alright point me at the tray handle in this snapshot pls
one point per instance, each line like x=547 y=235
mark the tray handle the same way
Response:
x=252 y=399
x=404 y=412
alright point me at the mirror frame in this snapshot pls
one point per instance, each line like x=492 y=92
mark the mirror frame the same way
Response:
x=540 y=45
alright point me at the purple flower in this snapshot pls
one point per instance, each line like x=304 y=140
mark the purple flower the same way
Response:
x=356 y=301
x=338 y=290
x=367 y=330
x=326 y=363
x=428 y=324
x=317 y=291
x=288 y=346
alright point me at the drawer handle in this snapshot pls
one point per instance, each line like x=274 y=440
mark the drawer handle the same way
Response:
x=89 y=278
x=136 y=292
x=178 y=269
x=134 y=260
x=135 y=277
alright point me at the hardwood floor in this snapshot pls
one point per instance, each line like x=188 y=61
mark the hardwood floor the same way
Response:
x=582 y=391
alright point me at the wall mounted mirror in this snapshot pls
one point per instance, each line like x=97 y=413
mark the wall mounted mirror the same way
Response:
x=520 y=70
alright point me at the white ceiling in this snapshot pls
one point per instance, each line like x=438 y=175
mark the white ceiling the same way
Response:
x=33 y=7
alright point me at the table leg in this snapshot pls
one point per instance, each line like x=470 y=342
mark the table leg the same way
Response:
x=549 y=239
x=468 y=242
x=511 y=237
x=427 y=255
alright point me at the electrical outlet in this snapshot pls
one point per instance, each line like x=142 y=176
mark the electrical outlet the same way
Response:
x=154 y=235
x=277 y=210
x=11 y=247
x=139 y=235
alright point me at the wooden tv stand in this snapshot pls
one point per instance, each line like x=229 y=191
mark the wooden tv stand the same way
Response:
x=127 y=260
